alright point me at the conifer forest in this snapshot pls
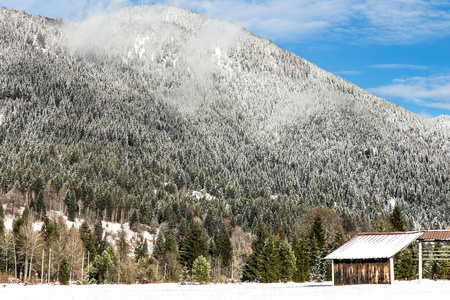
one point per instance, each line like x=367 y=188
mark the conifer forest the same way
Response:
x=242 y=160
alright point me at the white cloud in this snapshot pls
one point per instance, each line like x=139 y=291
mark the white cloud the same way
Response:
x=400 y=66
x=433 y=91
x=367 y=21
x=349 y=72
x=357 y=21
x=67 y=9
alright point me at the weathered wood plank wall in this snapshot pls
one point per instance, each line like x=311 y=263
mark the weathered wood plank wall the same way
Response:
x=370 y=271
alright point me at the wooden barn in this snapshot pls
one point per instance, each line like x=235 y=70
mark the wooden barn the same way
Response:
x=368 y=257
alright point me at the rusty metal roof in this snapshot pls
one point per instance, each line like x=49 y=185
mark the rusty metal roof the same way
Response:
x=374 y=245
x=435 y=235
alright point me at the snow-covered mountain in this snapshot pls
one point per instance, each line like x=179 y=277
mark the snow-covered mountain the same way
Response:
x=152 y=97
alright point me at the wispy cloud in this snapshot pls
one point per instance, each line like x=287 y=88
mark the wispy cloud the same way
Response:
x=400 y=66
x=349 y=72
x=433 y=91
x=357 y=21
x=367 y=21
x=68 y=9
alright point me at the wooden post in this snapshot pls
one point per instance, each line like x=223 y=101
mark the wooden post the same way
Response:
x=42 y=267
x=391 y=268
x=49 y=266
x=82 y=268
x=420 y=262
x=332 y=271
x=15 y=259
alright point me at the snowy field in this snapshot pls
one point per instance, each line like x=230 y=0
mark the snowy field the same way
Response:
x=399 y=290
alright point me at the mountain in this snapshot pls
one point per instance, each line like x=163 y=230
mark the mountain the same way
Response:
x=136 y=109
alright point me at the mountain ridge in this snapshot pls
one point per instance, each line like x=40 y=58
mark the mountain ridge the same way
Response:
x=235 y=115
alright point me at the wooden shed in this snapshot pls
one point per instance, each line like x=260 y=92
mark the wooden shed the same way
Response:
x=367 y=258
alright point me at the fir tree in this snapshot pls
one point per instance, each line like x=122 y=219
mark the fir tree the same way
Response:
x=64 y=274
x=288 y=261
x=224 y=247
x=88 y=239
x=71 y=203
x=317 y=231
x=396 y=219
x=301 y=250
x=194 y=245
x=404 y=267
x=158 y=250
x=253 y=265
x=271 y=264
x=201 y=270
x=141 y=249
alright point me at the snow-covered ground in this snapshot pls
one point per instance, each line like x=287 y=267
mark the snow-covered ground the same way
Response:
x=399 y=290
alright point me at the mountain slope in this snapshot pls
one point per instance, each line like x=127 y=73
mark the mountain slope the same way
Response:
x=158 y=98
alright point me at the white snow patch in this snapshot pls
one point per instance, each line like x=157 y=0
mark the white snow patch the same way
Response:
x=202 y=194
x=392 y=202
x=110 y=230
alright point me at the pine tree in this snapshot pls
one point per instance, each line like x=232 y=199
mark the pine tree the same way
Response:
x=271 y=263
x=123 y=246
x=170 y=258
x=404 y=267
x=224 y=247
x=317 y=231
x=301 y=250
x=71 y=203
x=253 y=265
x=141 y=249
x=64 y=274
x=396 y=219
x=201 y=270
x=194 y=245
x=88 y=239
x=288 y=261
x=158 y=250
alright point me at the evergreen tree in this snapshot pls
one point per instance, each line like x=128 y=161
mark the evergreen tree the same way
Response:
x=201 y=270
x=99 y=238
x=88 y=239
x=317 y=231
x=194 y=245
x=123 y=246
x=64 y=274
x=288 y=261
x=301 y=251
x=105 y=266
x=158 y=250
x=382 y=225
x=49 y=231
x=134 y=219
x=271 y=263
x=170 y=258
x=71 y=203
x=224 y=247
x=141 y=249
x=404 y=267
x=396 y=219
x=253 y=265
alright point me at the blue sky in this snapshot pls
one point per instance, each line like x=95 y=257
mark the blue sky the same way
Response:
x=396 y=49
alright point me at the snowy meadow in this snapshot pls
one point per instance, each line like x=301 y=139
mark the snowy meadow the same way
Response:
x=399 y=290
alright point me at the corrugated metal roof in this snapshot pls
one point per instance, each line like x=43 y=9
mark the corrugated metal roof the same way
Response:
x=435 y=235
x=374 y=245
